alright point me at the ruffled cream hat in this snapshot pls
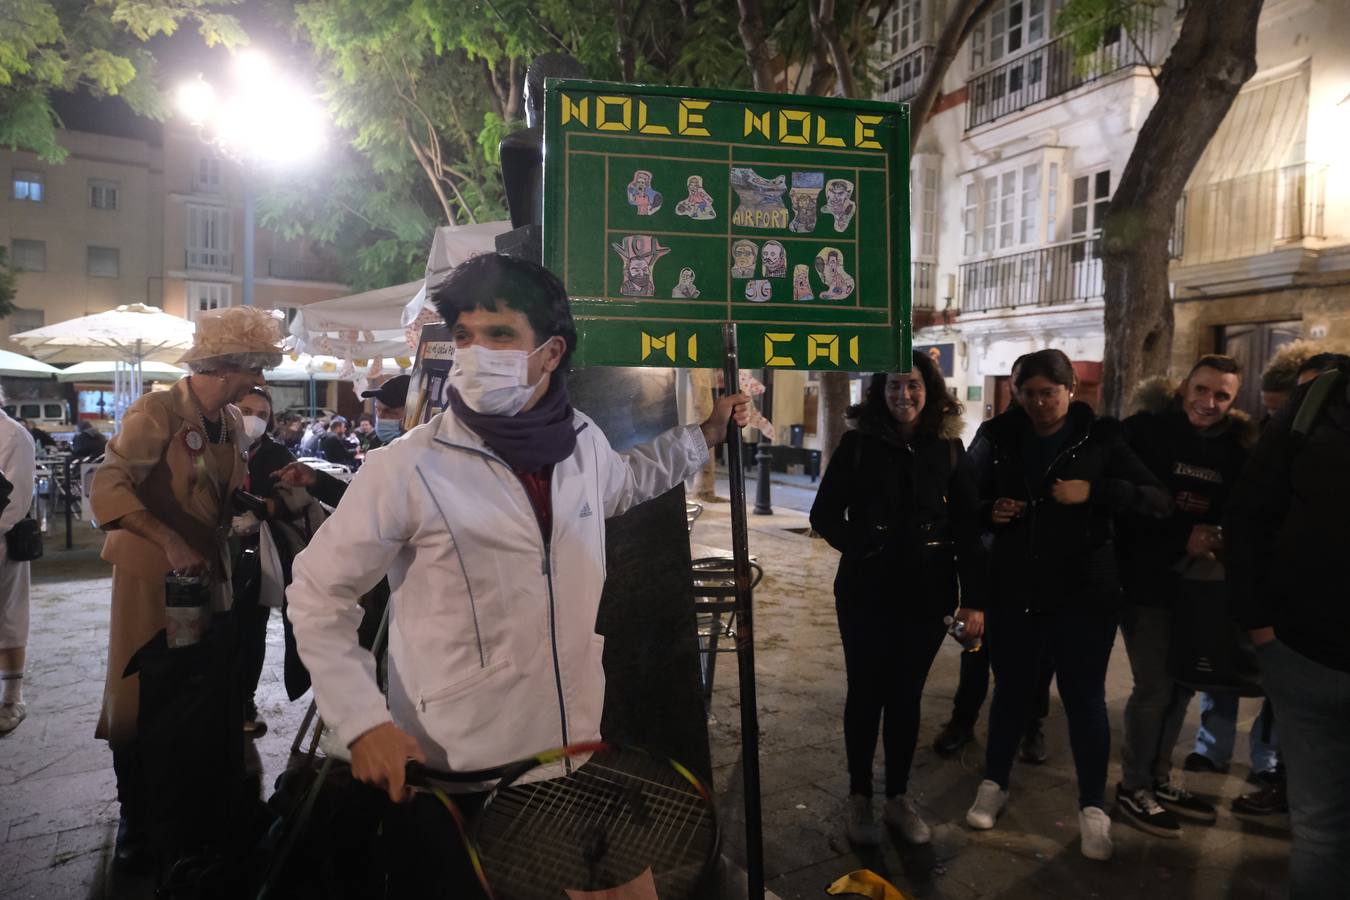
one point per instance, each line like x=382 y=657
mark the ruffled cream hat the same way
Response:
x=236 y=331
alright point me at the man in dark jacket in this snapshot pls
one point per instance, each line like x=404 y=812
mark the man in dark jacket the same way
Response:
x=1287 y=543
x=87 y=443
x=335 y=446
x=1194 y=442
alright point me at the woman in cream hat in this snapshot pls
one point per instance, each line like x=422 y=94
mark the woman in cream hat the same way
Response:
x=163 y=497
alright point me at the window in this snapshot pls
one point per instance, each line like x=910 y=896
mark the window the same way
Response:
x=205 y=296
x=22 y=320
x=970 y=219
x=904 y=26
x=103 y=262
x=28 y=256
x=209 y=238
x=927 y=207
x=1003 y=209
x=1010 y=27
x=1091 y=194
x=1052 y=204
x=207 y=178
x=30 y=185
x=1031 y=196
x=102 y=194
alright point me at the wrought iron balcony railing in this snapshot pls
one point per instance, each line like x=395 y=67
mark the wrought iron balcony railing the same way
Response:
x=1049 y=276
x=900 y=79
x=1052 y=69
x=302 y=269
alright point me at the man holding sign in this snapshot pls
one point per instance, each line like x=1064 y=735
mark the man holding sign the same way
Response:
x=489 y=522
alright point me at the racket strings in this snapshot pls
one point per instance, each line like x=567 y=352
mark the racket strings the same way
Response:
x=598 y=827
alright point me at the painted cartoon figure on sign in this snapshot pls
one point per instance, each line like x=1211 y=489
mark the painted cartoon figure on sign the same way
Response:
x=761 y=200
x=830 y=268
x=801 y=283
x=640 y=254
x=774 y=259
x=686 y=287
x=839 y=202
x=743 y=256
x=699 y=204
x=641 y=195
x=759 y=291
x=806 y=187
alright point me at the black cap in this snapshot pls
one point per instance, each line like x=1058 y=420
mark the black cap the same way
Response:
x=393 y=393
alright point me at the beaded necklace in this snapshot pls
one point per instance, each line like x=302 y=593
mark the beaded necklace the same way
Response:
x=201 y=416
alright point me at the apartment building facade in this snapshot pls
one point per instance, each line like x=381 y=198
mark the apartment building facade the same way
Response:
x=156 y=219
x=1013 y=173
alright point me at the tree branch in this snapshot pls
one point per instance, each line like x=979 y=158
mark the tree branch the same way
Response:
x=960 y=22
x=751 y=27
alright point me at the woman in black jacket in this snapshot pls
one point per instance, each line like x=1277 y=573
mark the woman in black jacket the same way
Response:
x=1051 y=476
x=897 y=504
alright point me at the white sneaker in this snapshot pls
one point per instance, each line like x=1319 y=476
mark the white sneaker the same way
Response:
x=11 y=714
x=1095 y=826
x=863 y=829
x=901 y=813
x=990 y=800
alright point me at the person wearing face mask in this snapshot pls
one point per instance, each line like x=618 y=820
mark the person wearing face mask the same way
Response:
x=1195 y=442
x=490 y=523
x=896 y=502
x=163 y=497
x=1050 y=477
x=390 y=399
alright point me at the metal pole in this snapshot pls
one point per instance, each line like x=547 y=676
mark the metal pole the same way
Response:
x=764 y=459
x=70 y=515
x=249 y=202
x=745 y=636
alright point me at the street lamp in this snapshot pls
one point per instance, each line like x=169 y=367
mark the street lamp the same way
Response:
x=265 y=120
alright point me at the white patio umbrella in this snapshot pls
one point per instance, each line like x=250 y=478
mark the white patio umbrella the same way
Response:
x=16 y=365
x=106 y=371
x=132 y=334
x=305 y=367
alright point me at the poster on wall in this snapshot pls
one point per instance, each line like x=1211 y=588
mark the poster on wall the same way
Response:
x=429 y=382
x=942 y=354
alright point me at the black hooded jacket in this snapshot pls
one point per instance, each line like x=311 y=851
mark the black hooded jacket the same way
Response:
x=902 y=513
x=1199 y=469
x=1057 y=558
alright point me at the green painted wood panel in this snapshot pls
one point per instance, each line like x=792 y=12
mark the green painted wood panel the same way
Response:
x=669 y=211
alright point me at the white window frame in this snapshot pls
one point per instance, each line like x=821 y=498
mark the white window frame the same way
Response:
x=208 y=296
x=103 y=194
x=970 y=220
x=925 y=183
x=1092 y=205
x=1010 y=28
x=206 y=174
x=23 y=245
x=22 y=182
x=1005 y=207
x=210 y=238
x=97 y=261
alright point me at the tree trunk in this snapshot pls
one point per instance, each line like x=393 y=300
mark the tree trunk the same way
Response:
x=756 y=44
x=823 y=24
x=962 y=17
x=1213 y=57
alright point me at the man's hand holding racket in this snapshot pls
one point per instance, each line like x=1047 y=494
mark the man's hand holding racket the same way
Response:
x=380 y=758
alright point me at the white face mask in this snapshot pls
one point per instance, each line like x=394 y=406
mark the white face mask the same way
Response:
x=254 y=429
x=493 y=382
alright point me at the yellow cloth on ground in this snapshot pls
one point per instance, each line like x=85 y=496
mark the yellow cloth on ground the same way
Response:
x=866 y=883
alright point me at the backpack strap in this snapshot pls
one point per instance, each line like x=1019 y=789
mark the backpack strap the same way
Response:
x=1313 y=402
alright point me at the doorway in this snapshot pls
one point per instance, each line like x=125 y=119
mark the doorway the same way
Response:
x=1253 y=345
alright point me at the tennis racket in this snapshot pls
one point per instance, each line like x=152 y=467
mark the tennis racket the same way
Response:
x=586 y=818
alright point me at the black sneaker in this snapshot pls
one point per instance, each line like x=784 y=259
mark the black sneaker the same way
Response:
x=1267 y=801
x=953 y=737
x=1185 y=804
x=1143 y=811
x=1033 y=745
x=254 y=727
x=1199 y=762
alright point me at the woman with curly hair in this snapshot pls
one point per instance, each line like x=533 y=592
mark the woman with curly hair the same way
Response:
x=899 y=505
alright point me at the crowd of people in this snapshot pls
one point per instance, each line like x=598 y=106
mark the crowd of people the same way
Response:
x=1178 y=528
x=1203 y=544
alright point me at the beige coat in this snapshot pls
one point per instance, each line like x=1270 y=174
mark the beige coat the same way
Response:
x=149 y=466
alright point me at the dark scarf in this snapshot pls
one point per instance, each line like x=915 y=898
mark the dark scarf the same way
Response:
x=530 y=440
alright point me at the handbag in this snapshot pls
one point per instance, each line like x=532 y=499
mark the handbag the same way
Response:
x=23 y=542
x=1208 y=651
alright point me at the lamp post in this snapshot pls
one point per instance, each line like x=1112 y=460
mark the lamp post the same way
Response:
x=265 y=119
x=764 y=458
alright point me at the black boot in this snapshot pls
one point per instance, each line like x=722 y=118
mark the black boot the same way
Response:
x=953 y=737
x=131 y=853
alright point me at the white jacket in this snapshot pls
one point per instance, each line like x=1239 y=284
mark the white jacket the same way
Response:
x=493 y=654
x=18 y=464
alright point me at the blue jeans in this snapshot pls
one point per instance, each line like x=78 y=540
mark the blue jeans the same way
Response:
x=1313 y=704
x=1218 y=733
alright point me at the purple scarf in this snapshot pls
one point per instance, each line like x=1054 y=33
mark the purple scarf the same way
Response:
x=529 y=440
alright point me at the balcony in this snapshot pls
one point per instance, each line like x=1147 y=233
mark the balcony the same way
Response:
x=201 y=259
x=900 y=79
x=1052 y=69
x=294 y=269
x=1249 y=216
x=1050 y=276
x=923 y=285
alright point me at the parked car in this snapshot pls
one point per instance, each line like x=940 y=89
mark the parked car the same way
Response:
x=43 y=413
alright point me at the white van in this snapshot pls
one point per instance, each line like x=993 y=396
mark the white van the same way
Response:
x=42 y=413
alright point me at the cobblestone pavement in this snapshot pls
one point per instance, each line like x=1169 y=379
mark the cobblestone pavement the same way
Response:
x=58 y=807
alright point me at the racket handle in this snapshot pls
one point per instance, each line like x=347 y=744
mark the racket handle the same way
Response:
x=419 y=775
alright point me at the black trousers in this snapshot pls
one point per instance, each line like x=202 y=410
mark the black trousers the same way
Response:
x=974 y=687
x=887 y=661
x=424 y=850
x=252 y=617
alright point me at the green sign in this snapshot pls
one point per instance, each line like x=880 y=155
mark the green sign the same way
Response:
x=669 y=211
